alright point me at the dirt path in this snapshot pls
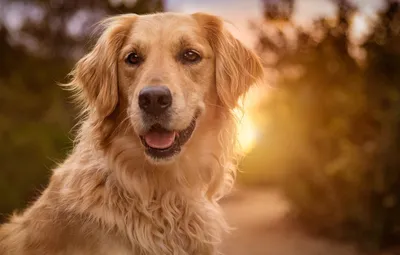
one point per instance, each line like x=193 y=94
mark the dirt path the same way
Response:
x=261 y=228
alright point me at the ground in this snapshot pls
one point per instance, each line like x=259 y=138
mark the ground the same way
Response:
x=262 y=227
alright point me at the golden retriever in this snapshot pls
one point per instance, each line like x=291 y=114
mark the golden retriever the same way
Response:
x=156 y=146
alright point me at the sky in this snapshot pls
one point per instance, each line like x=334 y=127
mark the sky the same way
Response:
x=237 y=12
x=240 y=12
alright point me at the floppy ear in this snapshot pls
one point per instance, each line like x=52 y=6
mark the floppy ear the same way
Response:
x=95 y=77
x=237 y=67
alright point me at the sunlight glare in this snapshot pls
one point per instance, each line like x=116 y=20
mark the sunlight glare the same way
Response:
x=360 y=27
x=247 y=129
x=247 y=132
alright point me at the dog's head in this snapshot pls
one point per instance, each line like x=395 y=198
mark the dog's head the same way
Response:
x=168 y=75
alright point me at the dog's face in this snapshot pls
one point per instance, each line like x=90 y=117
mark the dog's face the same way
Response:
x=166 y=69
x=166 y=72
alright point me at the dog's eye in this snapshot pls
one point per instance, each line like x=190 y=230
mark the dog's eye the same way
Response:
x=133 y=59
x=190 y=56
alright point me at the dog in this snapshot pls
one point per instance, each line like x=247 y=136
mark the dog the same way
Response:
x=155 y=149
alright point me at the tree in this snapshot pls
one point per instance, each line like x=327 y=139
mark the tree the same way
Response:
x=332 y=139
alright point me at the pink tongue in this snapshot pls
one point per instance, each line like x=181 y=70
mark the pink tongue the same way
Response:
x=160 y=140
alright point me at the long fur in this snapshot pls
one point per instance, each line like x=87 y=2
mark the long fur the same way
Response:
x=106 y=197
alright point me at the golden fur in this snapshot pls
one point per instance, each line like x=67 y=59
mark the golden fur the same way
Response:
x=107 y=197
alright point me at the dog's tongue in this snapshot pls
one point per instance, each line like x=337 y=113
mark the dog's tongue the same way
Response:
x=160 y=140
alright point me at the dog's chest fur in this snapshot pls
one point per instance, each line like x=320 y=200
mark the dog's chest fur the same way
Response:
x=47 y=228
x=166 y=226
x=85 y=210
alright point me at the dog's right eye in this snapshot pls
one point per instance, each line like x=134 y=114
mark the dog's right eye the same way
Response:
x=190 y=57
x=133 y=59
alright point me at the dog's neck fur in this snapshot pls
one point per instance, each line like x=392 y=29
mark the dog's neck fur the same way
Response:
x=160 y=209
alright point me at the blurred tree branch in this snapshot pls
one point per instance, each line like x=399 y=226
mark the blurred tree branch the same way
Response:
x=334 y=136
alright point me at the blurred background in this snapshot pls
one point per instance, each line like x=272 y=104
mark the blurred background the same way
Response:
x=321 y=136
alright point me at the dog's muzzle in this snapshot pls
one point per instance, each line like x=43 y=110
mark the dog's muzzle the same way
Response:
x=159 y=141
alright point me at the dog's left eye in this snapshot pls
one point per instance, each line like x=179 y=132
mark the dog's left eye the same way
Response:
x=134 y=59
x=190 y=56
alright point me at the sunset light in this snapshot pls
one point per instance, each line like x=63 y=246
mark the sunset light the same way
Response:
x=247 y=128
x=247 y=131
x=200 y=127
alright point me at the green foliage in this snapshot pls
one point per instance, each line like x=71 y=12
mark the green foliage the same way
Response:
x=332 y=141
x=36 y=117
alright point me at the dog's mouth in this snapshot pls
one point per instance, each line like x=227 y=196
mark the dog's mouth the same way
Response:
x=162 y=143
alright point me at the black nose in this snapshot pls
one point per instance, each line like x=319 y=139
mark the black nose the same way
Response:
x=155 y=100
